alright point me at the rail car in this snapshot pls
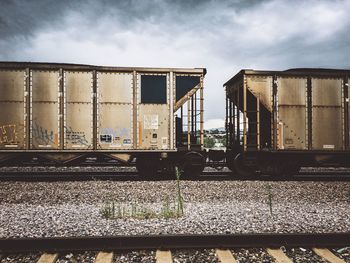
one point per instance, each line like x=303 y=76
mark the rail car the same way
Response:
x=62 y=114
x=278 y=121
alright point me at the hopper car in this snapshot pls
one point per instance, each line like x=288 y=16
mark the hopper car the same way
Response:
x=63 y=114
x=278 y=121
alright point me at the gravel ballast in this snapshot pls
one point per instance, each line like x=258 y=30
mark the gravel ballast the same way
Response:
x=143 y=256
x=15 y=258
x=46 y=209
x=252 y=255
x=86 y=257
x=194 y=256
x=302 y=255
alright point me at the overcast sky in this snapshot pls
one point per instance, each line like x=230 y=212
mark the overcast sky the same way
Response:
x=222 y=36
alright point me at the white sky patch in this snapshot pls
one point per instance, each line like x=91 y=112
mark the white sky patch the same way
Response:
x=214 y=123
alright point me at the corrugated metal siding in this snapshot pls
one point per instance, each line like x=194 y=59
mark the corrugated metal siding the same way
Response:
x=327 y=114
x=292 y=113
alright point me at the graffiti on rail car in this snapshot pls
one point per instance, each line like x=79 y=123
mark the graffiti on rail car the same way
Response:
x=8 y=134
x=75 y=137
x=43 y=136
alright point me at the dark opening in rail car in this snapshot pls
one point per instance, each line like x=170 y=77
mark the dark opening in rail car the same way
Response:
x=153 y=89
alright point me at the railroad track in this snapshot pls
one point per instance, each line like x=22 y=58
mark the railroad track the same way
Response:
x=217 y=175
x=105 y=247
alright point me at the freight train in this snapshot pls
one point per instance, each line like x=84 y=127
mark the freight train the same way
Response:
x=62 y=114
x=276 y=121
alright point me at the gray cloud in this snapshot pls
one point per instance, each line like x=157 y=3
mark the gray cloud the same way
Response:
x=223 y=36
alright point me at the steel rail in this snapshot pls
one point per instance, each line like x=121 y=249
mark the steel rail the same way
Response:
x=59 y=244
x=133 y=176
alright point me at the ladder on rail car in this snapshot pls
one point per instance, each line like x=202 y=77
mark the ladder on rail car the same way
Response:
x=252 y=128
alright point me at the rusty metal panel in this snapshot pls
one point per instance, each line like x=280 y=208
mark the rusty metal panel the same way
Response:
x=78 y=112
x=115 y=127
x=292 y=91
x=327 y=114
x=327 y=129
x=327 y=92
x=12 y=105
x=292 y=128
x=12 y=85
x=45 y=109
x=153 y=122
x=261 y=86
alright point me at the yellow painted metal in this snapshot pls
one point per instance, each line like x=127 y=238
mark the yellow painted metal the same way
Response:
x=258 y=121
x=171 y=110
x=134 y=111
x=201 y=106
x=261 y=86
x=12 y=105
x=245 y=119
x=153 y=122
x=61 y=106
x=188 y=124
x=292 y=111
x=78 y=124
x=115 y=110
x=154 y=126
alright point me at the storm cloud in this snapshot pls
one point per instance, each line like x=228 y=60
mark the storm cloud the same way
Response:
x=223 y=36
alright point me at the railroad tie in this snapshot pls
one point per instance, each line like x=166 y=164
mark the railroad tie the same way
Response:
x=48 y=258
x=104 y=257
x=327 y=255
x=225 y=256
x=164 y=256
x=279 y=255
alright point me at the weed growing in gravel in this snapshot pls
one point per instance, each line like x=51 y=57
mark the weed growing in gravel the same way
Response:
x=180 y=200
x=169 y=209
x=114 y=211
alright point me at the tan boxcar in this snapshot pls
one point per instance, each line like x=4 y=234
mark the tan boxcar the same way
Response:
x=290 y=118
x=51 y=109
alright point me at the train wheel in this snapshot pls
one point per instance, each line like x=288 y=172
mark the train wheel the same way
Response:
x=147 y=167
x=241 y=168
x=192 y=164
